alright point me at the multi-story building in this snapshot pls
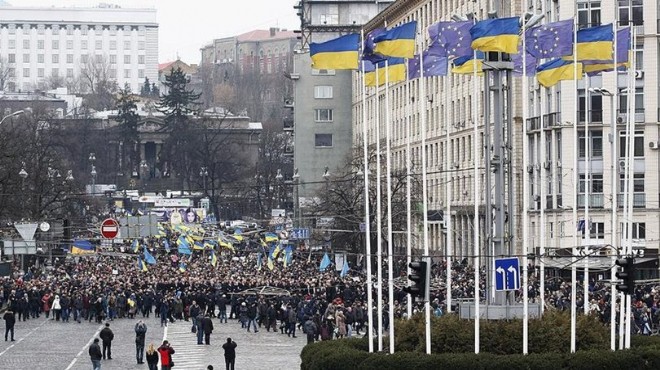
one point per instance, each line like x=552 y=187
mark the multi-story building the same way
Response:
x=322 y=129
x=553 y=193
x=43 y=44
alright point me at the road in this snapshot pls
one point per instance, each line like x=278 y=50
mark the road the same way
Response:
x=49 y=344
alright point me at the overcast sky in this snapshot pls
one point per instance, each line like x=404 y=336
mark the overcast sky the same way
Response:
x=186 y=26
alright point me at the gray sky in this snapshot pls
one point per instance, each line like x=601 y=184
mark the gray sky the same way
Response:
x=186 y=26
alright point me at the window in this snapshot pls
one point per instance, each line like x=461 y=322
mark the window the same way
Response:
x=638 y=230
x=323 y=140
x=638 y=183
x=127 y=45
x=595 y=113
x=323 y=92
x=98 y=44
x=141 y=45
x=588 y=14
x=69 y=72
x=127 y=59
x=40 y=44
x=597 y=230
x=26 y=44
x=329 y=15
x=140 y=73
x=56 y=44
x=98 y=58
x=40 y=72
x=69 y=44
x=55 y=72
x=26 y=58
x=596 y=144
x=113 y=59
x=26 y=72
x=113 y=45
x=12 y=72
x=127 y=73
x=631 y=11
x=639 y=100
x=12 y=44
x=84 y=58
x=140 y=59
x=83 y=44
x=638 y=144
x=112 y=73
x=596 y=183
x=40 y=58
x=69 y=58
x=56 y=58
x=324 y=115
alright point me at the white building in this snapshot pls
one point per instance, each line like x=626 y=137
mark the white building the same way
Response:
x=41 y=44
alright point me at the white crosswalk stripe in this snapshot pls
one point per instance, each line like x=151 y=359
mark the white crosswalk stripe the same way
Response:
x=189 y=355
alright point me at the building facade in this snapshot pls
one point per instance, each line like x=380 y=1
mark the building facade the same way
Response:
x=41 y=45
x=553 y=192
x=321 y=103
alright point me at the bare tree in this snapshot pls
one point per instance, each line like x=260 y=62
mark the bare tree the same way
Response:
x=97 y=82
x=5 y=73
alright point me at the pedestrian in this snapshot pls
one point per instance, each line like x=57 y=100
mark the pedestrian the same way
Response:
x=140 y=336
x=95 y=354
x=152 y=357
x=200 y=328
x=166 y=351
x=310 y=329
x=207 y=326
x=252 y=317
x=10 y=320
x=230 y=353
x=106 y=337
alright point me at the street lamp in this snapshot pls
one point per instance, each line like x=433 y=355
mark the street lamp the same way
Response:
x=278 y=179
x=296 y=181
x=203 y=173
x=23 y=174
x=69 y=175
x=92 y=158
x=14 y=114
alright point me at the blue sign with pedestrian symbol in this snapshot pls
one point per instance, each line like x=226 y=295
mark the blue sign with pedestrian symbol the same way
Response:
x=299 y=234
x=507 y=274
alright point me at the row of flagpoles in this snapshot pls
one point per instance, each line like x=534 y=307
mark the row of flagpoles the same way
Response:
x=385 y=56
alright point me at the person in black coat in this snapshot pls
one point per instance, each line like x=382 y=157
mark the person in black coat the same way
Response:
x=106 y=337
x=10 y=321
x=207 y=327
x=95 y=354
x=230 y=353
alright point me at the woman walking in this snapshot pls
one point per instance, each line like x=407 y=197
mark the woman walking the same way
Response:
x=152 y=357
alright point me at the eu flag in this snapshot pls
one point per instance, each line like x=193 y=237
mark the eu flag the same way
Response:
x=369 y=45
x=530 y=63
x=550 y=73
x=595 y=43
x=551 y=40
x=498 y=34
x=339 y=53
x=452 y=37
x=434 y=65
x=398 y=42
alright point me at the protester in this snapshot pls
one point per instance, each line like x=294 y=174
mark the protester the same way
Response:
x=207 y=327
x=10 y=321
x=106 y=337
x=95 y=354
x=166 y=351
x=230 y=353
x=152 y=357
x=140 y=336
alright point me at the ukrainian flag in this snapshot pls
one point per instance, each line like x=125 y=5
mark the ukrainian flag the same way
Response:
x=82 y=247
x=339 y=53
x=198 y=245
x=214 y=259
x=183 y=267
x=398 y=42
x=270 y=264
x=141 y=265
x=467 y=64
x=392 y=70
x=135 y=245
x=595 y=43
x=594 y=69
x=271 y=237
x=499 y=34
x=550 y=73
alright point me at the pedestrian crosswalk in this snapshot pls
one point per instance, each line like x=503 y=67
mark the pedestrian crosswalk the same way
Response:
x=188 y=354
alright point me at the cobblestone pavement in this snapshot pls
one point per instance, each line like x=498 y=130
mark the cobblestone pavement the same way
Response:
x=52 y=345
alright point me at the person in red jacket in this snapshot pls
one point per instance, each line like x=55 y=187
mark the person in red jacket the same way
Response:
x=166 y=352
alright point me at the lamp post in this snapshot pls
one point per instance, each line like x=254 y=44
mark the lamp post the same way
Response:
x=92 y=158
x=278 y=180
x=326 y=177
x=296 y=182
x=23 y=174
x=203 y=173
x=13 y=114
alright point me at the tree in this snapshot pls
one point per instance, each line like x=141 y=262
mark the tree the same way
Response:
x=128 y=119
x=5 y=73
x=268 y=192
x=146 y=88
x=96 y=82
x=155 y=91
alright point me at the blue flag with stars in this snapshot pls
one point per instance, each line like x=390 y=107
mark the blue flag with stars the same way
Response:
x=551 y=40
x=453 y=37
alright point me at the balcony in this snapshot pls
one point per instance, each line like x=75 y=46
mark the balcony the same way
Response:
x=639 y=200
x=595 y=201
x=287 y=124
x=595 y=116
x=622 y=115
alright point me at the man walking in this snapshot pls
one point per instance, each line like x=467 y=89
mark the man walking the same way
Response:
x=166 y=351
x=140 y=336
x=106 y=337
x=95 y=354
x=207 y=326
x=310 y=329
x=10 y=320
x=230 y=353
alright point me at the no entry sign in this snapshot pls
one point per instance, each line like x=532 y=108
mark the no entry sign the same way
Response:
x=109 y=228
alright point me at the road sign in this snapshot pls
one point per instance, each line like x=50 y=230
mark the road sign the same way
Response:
x=507 y=274
x=109 y=228
x=299 y=234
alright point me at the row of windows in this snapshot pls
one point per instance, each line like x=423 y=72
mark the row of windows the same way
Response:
x=55 y=58
x=597 y=230
x=69 y=44
x=112 y=73
x=596 y=144
x=596 y=183
x=70 y=29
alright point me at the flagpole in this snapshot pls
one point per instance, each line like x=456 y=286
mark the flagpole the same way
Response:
x=448 y=193
x=390 y=251
x=367 y=223
x=575 y=183
x=525 y=226
x=408 y=192
x=614 y=180
x=475 y=155
x=379 y=221
x=422 y=116
x=587 y=192
x=630 y=161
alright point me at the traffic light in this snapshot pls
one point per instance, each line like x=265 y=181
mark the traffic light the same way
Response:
x=419 y=280
x=627 y=275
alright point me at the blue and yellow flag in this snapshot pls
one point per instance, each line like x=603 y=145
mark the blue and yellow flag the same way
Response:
x=271 y=237
x=270 y=264
x=595 y=43
x=148 y=258
x=259 y=261
x=184 y=246
x=288 y=255
x=339 y=53
x=135 y=245
x=166 y=244
x=82 y=247
x=214 y=258
x=467 y=64
x=141 y=265
x=183 y=267
x=499 y=34
x=398 y=42
x=550 y=73
x=391 y=70
x=198 y=245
